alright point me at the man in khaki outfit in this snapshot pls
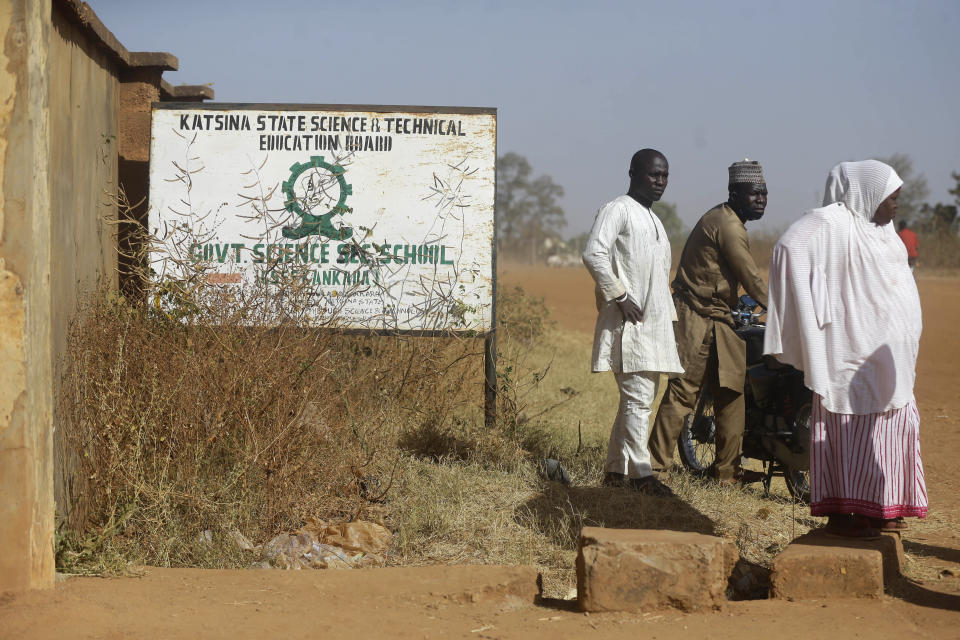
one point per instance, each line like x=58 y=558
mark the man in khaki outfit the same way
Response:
x=715 y=261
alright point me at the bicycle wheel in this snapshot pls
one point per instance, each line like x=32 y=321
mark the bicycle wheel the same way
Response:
x=798 y=480
x=697 y=444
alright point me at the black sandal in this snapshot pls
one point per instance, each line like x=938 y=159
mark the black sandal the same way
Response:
x=848 y=526
x=649 y=485
x=889 y=524
x=614 y=479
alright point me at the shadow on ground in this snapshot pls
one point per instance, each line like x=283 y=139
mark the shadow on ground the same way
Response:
x=932 y=550
x=563 y=510
x=916 y=593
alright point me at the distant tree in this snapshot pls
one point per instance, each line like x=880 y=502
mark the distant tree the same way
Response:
x=941 y=217
x=578 y=243
x=527 y=209
x=513 y=176
x=914 y=192
x=667 y=212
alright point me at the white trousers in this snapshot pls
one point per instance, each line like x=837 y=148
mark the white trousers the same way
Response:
x=628 y=452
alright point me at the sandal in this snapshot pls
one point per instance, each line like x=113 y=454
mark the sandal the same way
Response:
x=649 y=485
x=848 y=526
x=741 y=477
x=889 y=524
x=614 y=479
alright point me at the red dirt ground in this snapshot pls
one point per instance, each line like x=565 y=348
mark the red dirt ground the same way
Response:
x=938 y=369
x=423 y=602
x=476 y=602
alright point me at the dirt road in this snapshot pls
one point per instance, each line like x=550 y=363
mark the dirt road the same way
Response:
x=935 y=542
x=568 y=293
x=497 y=602
x=422 y=602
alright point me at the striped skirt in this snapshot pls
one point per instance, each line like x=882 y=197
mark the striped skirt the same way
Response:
x=866 y=464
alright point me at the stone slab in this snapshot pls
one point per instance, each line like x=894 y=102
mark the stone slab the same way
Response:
x=643 y=570
x=816 y=566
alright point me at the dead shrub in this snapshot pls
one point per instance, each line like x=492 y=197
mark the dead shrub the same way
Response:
x=186 y=428
x=939 y=251
x=187 y=433
x=522 y=317
x=190 y=425
x=761 y=246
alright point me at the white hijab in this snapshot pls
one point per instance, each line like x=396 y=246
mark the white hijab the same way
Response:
x=843 y=305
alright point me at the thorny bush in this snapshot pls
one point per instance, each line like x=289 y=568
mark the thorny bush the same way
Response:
x=185 y=429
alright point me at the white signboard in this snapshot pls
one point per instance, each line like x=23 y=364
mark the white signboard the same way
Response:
x=384 y=214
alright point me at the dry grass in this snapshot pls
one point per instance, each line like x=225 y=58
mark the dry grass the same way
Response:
x=939 y=253
x=187 y=429
x=188 y=425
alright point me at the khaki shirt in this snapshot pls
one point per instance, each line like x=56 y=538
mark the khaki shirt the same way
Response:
x=715 y=261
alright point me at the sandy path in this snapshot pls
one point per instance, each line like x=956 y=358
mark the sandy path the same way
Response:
x=568 y=293
x=472 y=602
x=424 y=602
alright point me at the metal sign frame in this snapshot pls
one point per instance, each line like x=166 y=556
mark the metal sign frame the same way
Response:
x=490 y=342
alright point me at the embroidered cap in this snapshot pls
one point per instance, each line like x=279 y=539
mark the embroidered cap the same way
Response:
x=746 y=172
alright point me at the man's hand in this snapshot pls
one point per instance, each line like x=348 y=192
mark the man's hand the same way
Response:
x=631 y=312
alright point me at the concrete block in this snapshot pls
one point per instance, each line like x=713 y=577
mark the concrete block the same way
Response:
x=891 y=547
x=641 y=570
x=817 y=566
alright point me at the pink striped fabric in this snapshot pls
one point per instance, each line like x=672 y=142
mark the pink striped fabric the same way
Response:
x=866 y=464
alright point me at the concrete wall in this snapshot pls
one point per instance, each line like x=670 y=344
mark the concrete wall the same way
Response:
x=26 y=377
x=74 y=125
x=84 y=111
x=140 y=89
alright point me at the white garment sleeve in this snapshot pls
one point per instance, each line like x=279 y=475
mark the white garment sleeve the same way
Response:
x=597 y=253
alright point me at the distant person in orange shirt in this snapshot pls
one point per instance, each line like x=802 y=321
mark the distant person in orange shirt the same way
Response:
x=910 y=241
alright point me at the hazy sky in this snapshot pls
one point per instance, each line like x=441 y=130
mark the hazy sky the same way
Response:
x=580 y=86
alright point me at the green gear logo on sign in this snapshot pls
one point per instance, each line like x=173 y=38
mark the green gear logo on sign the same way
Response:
x=317 y=186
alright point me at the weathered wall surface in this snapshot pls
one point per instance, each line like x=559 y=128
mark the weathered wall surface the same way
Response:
x=62 y=118
x=26 y=377
x=84 y=108
x=84 y=104
x=140 y=88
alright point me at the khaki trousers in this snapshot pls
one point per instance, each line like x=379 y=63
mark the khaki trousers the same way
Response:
x=680 y=400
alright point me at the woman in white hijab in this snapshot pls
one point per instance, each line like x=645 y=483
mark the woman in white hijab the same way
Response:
x=844 y=309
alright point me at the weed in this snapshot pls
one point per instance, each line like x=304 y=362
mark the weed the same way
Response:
x=190 y=422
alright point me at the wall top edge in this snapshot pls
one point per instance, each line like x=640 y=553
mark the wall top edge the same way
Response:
x=82 y=15
x=185 y=91
x=286 y=106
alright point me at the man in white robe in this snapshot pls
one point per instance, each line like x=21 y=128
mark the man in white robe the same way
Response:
x=628 y=255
